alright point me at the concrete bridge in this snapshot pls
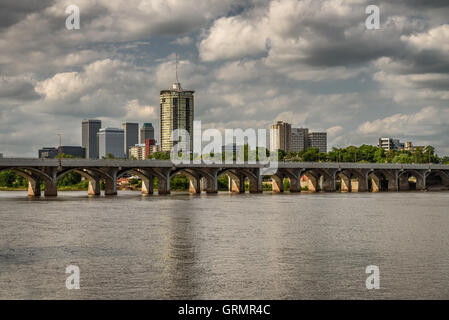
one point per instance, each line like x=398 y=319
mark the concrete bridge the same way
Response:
x=320 y=176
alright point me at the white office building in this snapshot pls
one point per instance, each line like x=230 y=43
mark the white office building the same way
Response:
x=390 y=144
x=137 y=152
x=111 y=141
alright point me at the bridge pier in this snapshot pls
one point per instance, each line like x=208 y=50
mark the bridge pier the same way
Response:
x=375 y=182
x=147 y=185
x=255 y=180
x=195 y=185
x=34 y=187
x=345 y=184
x=329 y=184
x=277 y=182
x=164 y=182
x=110 y=184
x=362 y=185
x=237 y=184
x=211 y=184
x=51 y=186
x=393 y=181
x=93 y=188
x=295 y=184
x=421 y=182
x=403 y=182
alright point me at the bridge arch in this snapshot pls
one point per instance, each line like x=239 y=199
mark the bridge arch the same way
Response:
x=343 y=179
x=34 y=178
x=437 y=180
x=312 y=179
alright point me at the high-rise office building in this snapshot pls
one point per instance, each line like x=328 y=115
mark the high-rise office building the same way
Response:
x=146 y=132
x=111 y=141
x=90 y=129
x=318 y=140
x=280 y=136
x=176 y=112
x=300 y=139
x=131 y=136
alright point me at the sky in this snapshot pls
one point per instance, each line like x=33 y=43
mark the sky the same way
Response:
x=311 y=63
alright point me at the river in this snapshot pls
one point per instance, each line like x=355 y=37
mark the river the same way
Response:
x=225 y=246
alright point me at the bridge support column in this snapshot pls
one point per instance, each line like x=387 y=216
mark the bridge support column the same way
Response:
x=34 y=188
x=51 y=187
x=195 y=186
x=421 y=182
x=375 y=182
x=147 y=185
x=277 y=183
x=212 y=182
x=94 y=187
x=393 y=184
x=295 y=184
x=237 y=185
x=362 y=185
x=203 y=184
x=403 y=182
x=164 y=182
x=345 y=183
x=329 y=184
x=110 y=185
x=255 y=183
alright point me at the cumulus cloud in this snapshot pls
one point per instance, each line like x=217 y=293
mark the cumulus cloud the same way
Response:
x=312 y=63
x=426 y=121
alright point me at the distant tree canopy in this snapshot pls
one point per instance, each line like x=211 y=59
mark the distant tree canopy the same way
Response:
x=366 y=153
x=363 y=153
x=159 y=156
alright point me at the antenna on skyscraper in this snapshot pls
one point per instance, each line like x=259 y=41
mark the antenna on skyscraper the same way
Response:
x=177 y=80
x=177 y=85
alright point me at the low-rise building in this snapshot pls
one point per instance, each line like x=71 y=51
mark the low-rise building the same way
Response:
x=390 y=144
x=410 y=147
x=137 y=152
x=150 y=147
x=73 y=151
x=47 y=153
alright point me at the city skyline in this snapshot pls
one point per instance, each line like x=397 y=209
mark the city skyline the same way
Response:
x=357 y=90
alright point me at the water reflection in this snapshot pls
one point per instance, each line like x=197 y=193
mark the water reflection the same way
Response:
x=225 y=246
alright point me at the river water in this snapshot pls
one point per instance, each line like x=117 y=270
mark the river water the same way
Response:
x=225 y=246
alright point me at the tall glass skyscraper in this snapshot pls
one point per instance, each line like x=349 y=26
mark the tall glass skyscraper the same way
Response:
x=131 y=131
x=176 y=112
x=89 y=138
x=146 y=132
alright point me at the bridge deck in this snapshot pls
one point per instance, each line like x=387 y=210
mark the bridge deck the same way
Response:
x=65 y=162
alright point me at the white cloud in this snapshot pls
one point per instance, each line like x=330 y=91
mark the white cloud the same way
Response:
x=427 y=121
x=136 y=112
x=233 y=38
x=434 y=39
